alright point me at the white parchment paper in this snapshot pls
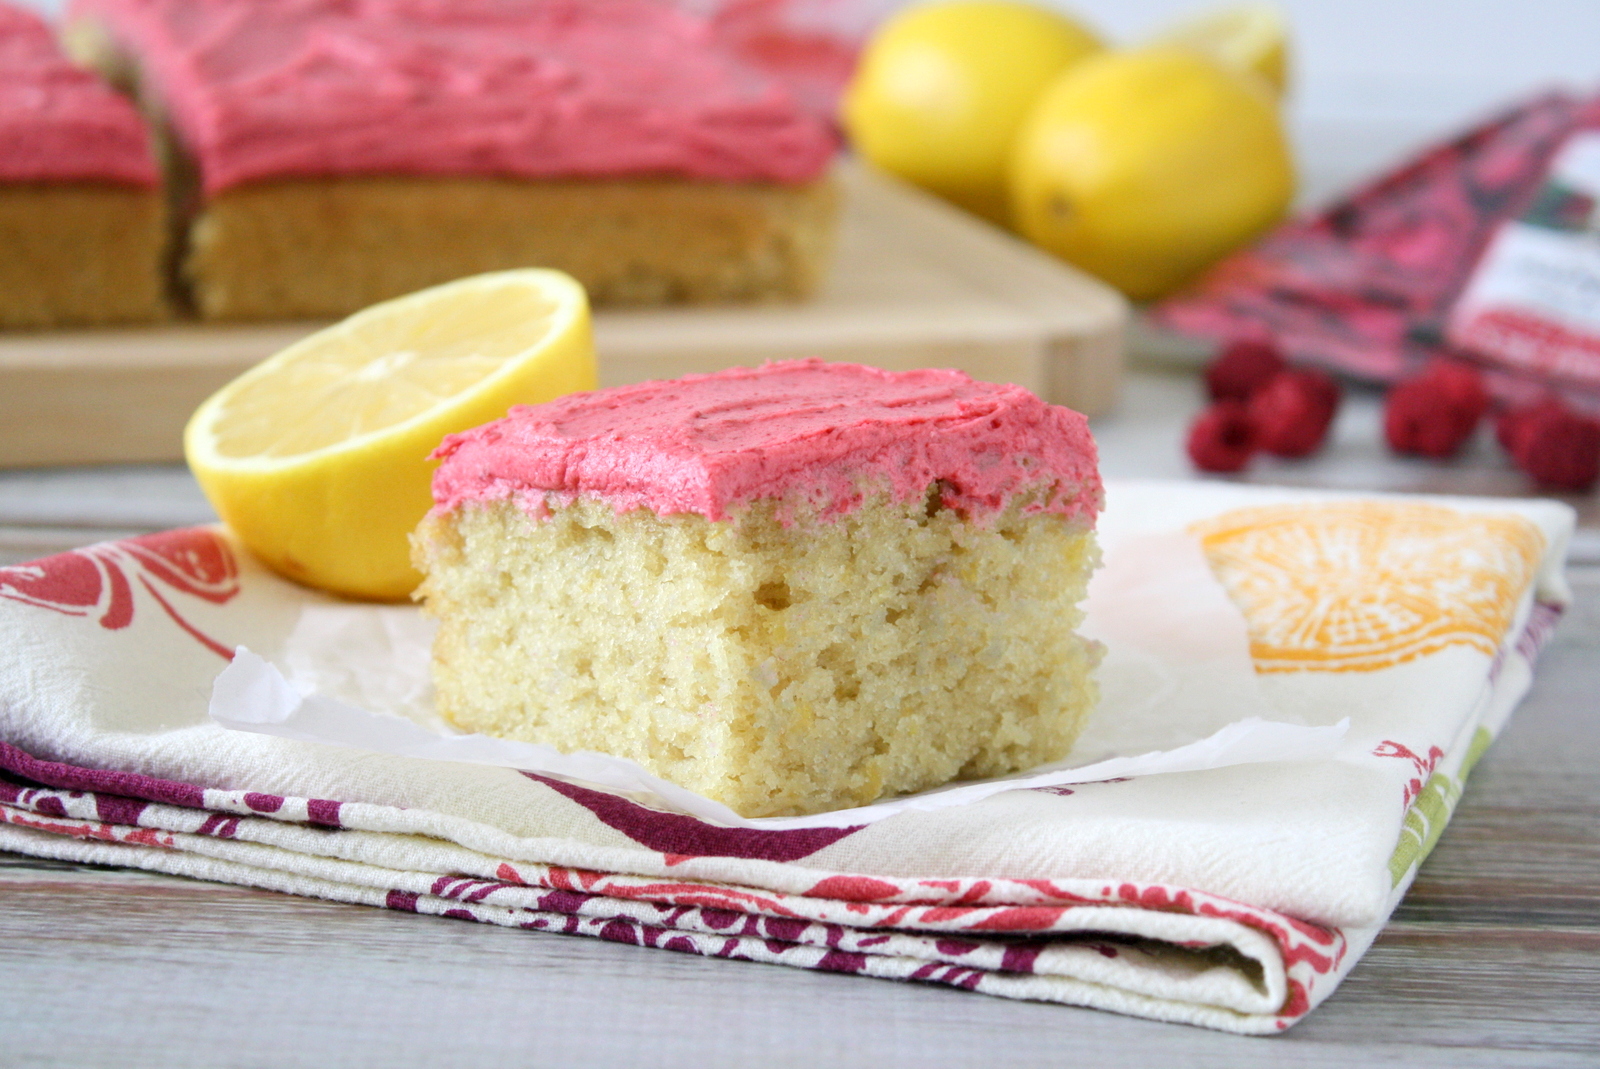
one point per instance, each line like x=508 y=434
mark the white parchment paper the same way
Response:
x=1178 y=694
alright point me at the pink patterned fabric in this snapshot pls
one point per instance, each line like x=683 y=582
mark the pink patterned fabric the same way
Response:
x=1241 y=913
x=1365 y=286
x=1017 y=938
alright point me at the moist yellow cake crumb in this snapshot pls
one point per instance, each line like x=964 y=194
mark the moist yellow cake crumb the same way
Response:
x=330 y=246
x=777 y=668
x=80 y=254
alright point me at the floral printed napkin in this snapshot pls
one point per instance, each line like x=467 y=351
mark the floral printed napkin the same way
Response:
x=1234 y=898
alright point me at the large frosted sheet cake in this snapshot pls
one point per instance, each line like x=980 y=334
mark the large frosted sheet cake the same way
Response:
x=328 y=154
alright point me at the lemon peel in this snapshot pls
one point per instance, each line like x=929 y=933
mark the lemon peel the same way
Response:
x=1143 y=167
x=942 y=88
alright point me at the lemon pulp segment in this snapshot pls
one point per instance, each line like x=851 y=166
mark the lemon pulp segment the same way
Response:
x=379 y=373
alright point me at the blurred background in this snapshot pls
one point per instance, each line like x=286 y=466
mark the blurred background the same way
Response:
x=1371 y=79
x=1370 y=82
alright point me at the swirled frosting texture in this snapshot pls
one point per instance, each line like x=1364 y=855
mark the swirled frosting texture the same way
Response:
x=800 y=431
x=59 y=123
x=261 y=89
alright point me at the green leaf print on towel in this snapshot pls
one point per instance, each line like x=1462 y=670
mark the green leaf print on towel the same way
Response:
x=1431 y=811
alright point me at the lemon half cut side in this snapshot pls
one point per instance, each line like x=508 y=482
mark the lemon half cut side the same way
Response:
x=317 y=458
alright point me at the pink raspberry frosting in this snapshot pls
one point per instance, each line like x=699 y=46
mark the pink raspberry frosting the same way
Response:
x=59 y=123
x=261 y=89
x=796 y=430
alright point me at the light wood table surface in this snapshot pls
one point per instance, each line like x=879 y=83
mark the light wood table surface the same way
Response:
x=1493 y=960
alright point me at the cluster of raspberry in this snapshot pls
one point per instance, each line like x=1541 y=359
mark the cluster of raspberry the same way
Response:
x=1261 y=404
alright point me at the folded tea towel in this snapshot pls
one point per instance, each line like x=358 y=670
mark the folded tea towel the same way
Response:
x=1234 y=898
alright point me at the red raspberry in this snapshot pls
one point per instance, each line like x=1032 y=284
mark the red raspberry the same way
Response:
x=1292 y=413
x=1241 y=369
x=1556 y=446
x=1435 y=413
x=1222 y=438
x=1509 y=427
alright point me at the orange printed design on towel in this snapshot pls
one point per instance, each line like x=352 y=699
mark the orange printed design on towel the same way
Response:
x=1363 y=585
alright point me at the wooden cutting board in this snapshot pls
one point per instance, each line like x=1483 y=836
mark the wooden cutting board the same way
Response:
x=914 y=283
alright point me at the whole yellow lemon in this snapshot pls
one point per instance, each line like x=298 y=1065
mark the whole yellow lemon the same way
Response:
x=1250 y=36
x=1143 y=167
x=941 y=90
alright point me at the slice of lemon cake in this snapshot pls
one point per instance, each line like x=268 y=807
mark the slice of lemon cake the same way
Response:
x=81 y=214
x=791 y=589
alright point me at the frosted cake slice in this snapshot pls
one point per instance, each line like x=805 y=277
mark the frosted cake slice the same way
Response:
x=328 y=154
x=81 y=230
x=791 y=589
